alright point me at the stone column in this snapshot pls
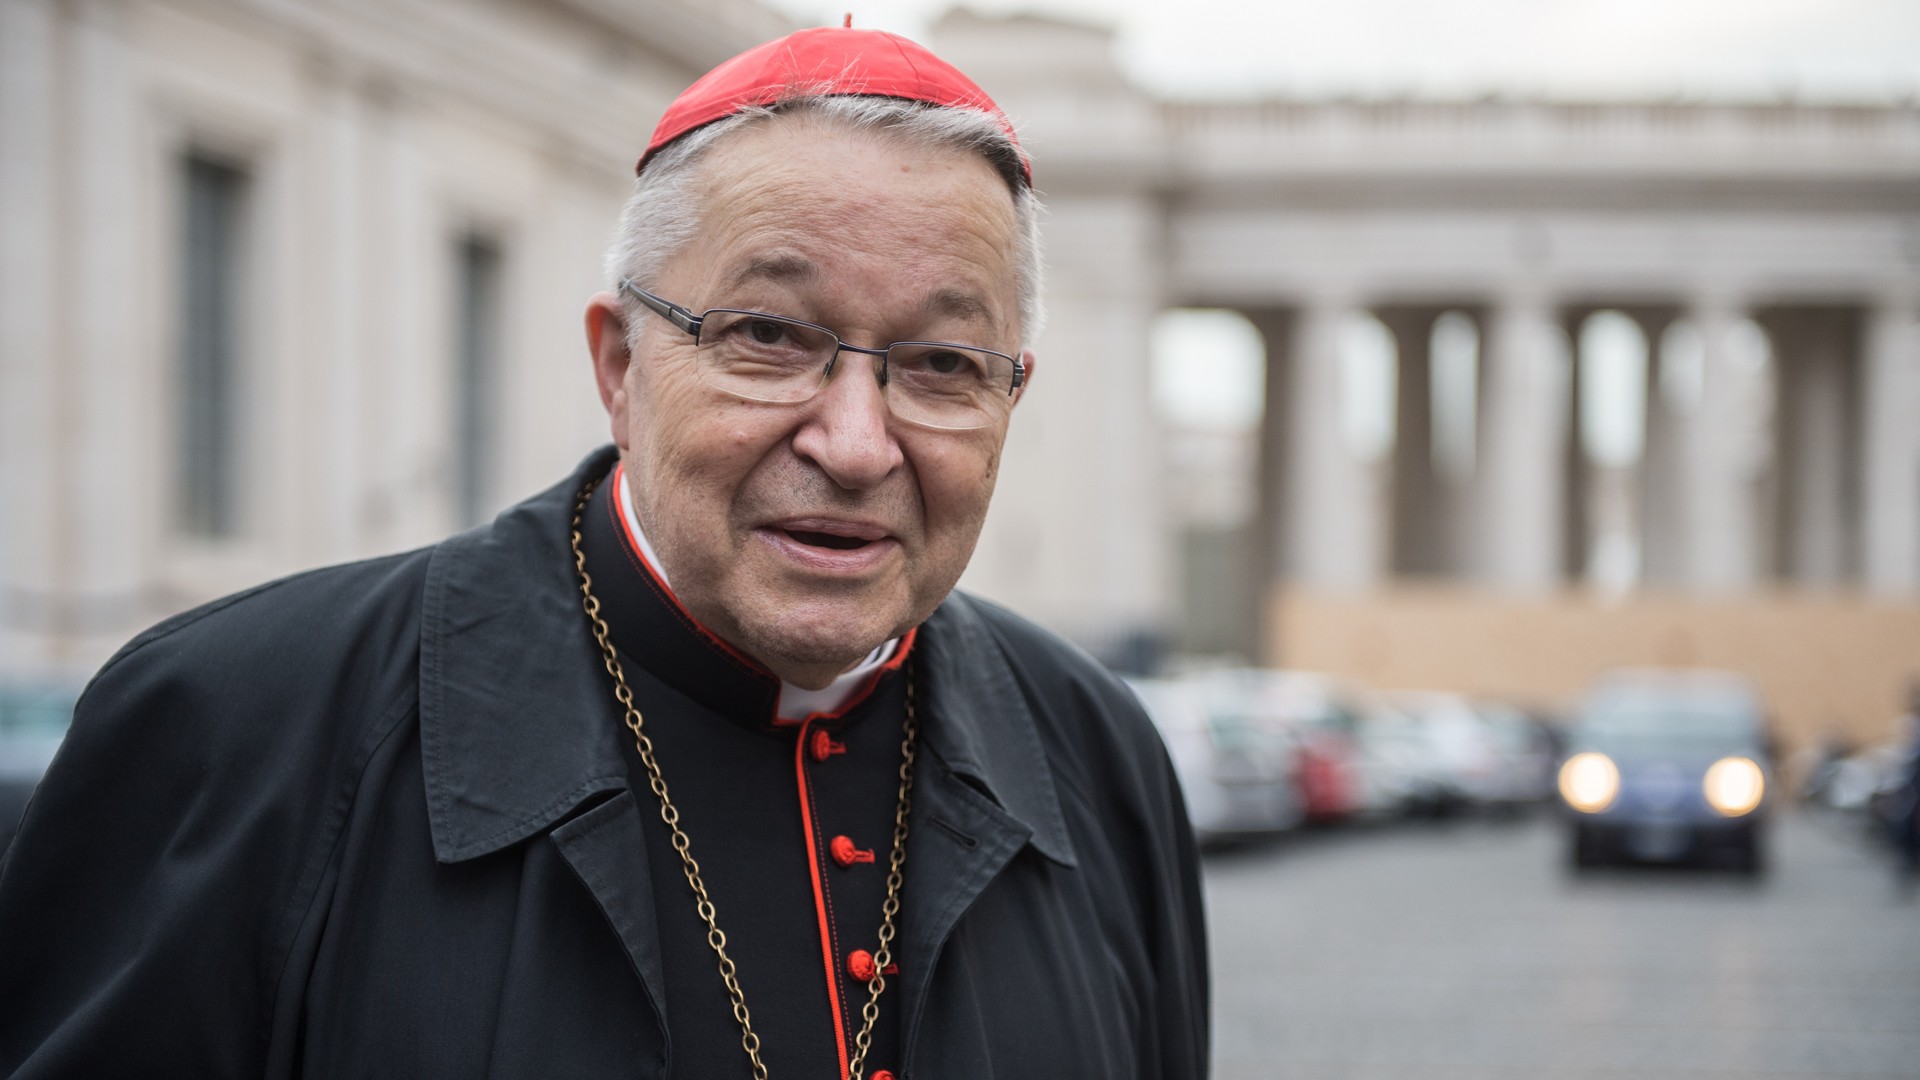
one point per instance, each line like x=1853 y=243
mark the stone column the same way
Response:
x=30 y=484
x=1273 y=470
x=1661 y=482
x=1523 y=442
x=1419 y=520
x=1459 y=519
x=1815 y=423
x=388 y=407
x=336 y=242
x=1581 y=487
x=1720 y=518
x=1329 y=521
x=110 y=353
x=1891 y=445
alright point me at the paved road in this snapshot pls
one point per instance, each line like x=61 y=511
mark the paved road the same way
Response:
x=1465 y=950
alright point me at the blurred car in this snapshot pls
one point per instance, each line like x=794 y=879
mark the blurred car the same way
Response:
x=1665 y=765
x=1856 y=782
x=1315 y=714
x=1238 y=780
x=1321 y=715
x=1461 y=761
x=1891 y=804
x=1398 y=777
x=1526 y=754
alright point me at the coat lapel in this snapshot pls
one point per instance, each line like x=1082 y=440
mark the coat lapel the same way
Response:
x=961 y=842
x=607 y=850
x=518 y=726
x=985 y=792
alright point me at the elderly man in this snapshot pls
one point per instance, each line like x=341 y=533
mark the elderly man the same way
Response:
x=694 y=765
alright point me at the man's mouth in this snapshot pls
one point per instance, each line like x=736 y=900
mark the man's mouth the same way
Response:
x=827 y=540
x=832 y=534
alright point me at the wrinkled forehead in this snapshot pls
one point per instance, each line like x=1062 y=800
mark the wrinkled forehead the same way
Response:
x=804 y=173
x=838 y=139
x=932 y=132
x=797 y=208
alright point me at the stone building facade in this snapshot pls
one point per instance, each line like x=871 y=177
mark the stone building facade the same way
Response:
x=288 y=283
x=1765 y=254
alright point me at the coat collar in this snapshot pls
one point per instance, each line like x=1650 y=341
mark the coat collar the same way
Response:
x=518 y=726
x=980 y=724
x=646 y=620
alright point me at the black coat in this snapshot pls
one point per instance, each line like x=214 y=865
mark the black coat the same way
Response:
x=381 y=820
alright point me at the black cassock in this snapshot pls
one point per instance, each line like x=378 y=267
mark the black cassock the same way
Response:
x=385 y=820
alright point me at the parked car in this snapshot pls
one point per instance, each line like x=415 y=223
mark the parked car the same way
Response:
x=1463 y=764
x=1398 y=776
x=1526 y=753
x=1238 y=780
x=1665 y=765
x=1856 y=782
x=1316 y=714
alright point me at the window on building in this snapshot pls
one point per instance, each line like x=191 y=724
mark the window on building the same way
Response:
x=212 y=274
x=476 y=372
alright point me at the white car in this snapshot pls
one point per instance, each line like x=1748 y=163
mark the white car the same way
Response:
x=1398 y=777
x=1459 y=755
x=1236 y=777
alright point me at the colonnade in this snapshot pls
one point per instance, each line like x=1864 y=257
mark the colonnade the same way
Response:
x=1781 y=443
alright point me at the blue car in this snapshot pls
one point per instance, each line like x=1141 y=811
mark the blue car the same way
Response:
x=1664 y=766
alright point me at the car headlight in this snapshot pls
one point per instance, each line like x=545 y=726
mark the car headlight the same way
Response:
x=1589 y=782
x=1734 y=786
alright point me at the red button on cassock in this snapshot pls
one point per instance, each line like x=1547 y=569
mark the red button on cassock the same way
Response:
x=882 y=1074
x=823 y=746
x=860 y=965
x=844 y=853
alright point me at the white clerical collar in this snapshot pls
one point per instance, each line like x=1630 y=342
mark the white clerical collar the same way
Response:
x=796 y=702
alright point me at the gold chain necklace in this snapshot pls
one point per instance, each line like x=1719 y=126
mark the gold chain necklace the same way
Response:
x=896 y=862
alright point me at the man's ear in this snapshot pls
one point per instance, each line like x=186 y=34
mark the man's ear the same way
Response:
x=607 y=345
x=1027 y=364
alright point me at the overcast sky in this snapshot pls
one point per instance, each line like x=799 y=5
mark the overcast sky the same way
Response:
x=1821 y=49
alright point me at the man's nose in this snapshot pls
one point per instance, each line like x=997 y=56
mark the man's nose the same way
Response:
x=847 y=431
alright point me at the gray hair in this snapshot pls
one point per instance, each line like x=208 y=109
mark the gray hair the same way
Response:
x=663 y=213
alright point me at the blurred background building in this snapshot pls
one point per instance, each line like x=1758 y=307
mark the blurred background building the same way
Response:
x=1530 y=388
x=286 y=283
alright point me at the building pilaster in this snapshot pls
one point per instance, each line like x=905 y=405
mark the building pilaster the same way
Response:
x=1523 y=443
x=1329 y=519
x=1891 y=431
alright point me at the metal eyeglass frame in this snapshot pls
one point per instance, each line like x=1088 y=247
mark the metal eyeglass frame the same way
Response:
x=688 y=321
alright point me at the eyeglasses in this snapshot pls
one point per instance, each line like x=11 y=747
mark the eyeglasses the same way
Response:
x=762 y=357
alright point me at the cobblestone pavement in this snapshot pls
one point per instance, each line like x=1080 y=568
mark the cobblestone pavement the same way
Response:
x=1467 y=950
